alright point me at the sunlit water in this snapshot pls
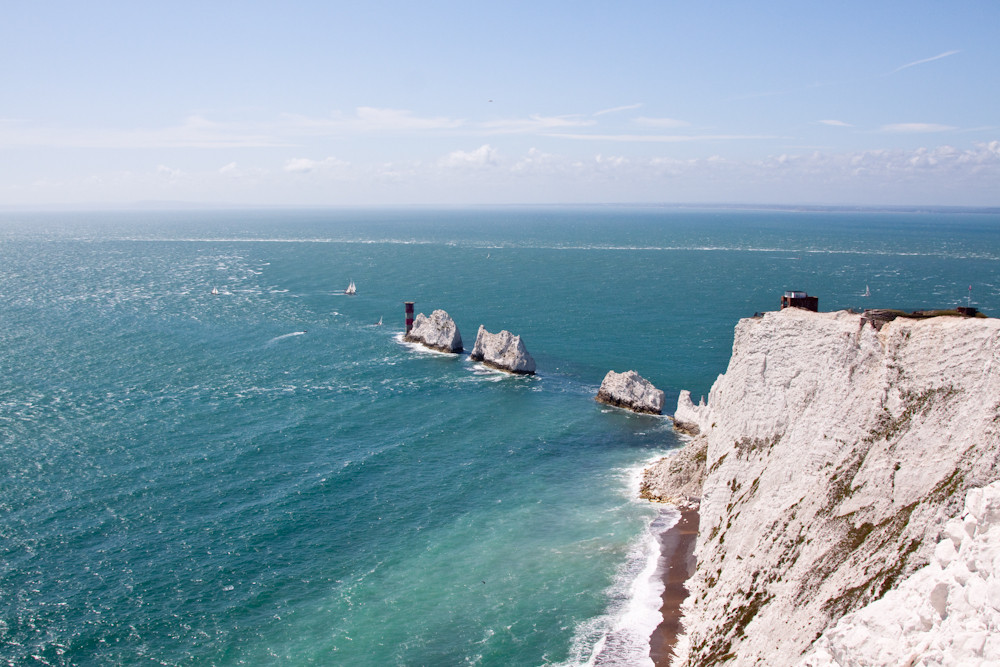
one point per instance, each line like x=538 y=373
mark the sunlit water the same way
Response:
x=263 y=476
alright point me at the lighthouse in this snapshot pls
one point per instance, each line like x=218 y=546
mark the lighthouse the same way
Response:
x=409 y=316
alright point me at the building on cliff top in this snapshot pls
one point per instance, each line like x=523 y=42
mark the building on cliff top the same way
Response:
x=797 y=299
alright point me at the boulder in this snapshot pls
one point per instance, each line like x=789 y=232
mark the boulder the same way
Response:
x=437 y=332
x=503 y=351
x=629 y=390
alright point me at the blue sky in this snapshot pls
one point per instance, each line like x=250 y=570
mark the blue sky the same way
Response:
x=348 y=103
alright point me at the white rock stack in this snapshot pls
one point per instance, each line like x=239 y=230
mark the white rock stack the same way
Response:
x=945 y=613
x=437 y=332
x=631 y=391
x=503 y=351
x=689 y=418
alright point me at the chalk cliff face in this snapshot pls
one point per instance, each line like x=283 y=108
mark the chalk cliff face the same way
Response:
x=437 y=332
x=631 y=391
x=503 y=350
x=835 y=455
x=947 y=613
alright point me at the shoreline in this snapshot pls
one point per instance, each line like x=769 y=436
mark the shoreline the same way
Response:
x=677 y=564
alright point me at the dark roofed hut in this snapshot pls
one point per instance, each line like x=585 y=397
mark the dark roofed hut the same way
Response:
x=797 y=299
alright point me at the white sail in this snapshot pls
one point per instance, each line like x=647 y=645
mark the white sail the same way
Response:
x=351 y=289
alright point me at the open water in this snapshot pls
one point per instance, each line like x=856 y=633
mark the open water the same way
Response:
x=265 y=477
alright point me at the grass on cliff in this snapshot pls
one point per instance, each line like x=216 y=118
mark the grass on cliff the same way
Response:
x=927 y=314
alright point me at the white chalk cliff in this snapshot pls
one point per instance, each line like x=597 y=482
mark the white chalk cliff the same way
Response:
x=946 y=613
x=631 y=391
x=437 y=332
x=503 y=351
x=835 y=456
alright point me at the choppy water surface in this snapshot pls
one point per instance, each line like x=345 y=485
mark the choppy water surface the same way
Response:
x=264 y=476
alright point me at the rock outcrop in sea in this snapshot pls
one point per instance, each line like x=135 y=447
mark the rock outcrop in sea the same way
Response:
x=503 y=351
x=836 y=457
x=631 y=391
x=437 y=332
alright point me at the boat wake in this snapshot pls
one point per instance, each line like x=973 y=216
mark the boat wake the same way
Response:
x=284 y=336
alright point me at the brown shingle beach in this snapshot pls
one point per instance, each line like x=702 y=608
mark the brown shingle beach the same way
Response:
x=677 y=561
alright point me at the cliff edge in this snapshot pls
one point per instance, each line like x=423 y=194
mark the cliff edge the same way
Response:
x=835 y=454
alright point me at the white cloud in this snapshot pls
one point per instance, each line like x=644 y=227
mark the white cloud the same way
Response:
x=199 y=132
x=303 y=165
x=658 y=138
x=915 y=128
x=627 y=107
x=484 y=156
x=835 y=123
x=612 y=161
x=660 y=122
x=536 y=161
x=364 y=120
x=534 y=124
x=398 y=120
x=925 y=60
x=193 y=132
x=945 y=174
x=164 y=170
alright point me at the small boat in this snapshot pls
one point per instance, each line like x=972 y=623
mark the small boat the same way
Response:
x=867 y=291
x=351 y=289
x=215 y=290
x=379 y=323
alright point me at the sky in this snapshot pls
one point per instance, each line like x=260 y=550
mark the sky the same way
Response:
x=474 y=103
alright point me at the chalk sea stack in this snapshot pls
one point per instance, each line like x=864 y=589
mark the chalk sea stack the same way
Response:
x=437 y=332
x=631 y=391
x=503 y=351
x=690 y=419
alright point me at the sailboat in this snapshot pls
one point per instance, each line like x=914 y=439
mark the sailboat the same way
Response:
x=215 y=290
x=351 y=289
x=867 y=291
x=379 y=323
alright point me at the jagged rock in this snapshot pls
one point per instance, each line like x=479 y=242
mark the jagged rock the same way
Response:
x=437 y=332
x=503 y=351
x=678 y=478
x=629 y=390
x=836 y=455
x=690 y=419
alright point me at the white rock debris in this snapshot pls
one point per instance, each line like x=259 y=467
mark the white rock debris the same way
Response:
x=946 y=613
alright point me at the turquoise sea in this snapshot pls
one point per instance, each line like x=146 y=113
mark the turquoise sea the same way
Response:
x=263 y=476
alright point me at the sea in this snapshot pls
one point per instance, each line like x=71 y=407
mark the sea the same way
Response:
x=265 y=475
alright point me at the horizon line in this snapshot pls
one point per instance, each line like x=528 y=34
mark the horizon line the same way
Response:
x=177 y=206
